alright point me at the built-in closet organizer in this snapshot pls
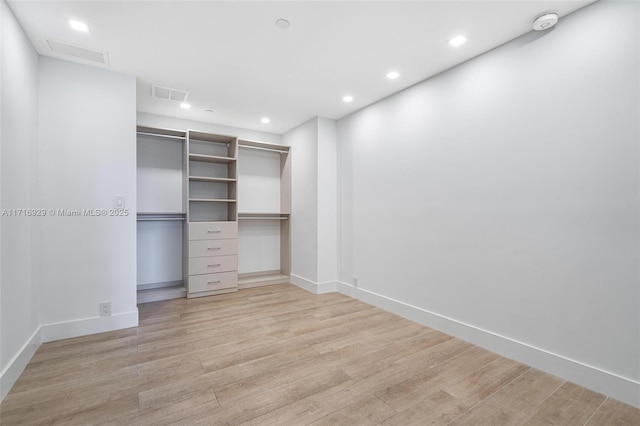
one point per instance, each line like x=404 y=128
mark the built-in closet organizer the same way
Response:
x=212 y=233
x=161 y=214
x=196 y=235
x=264 y=205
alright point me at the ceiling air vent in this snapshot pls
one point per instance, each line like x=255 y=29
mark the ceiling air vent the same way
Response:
x=84 y=54
x=168 y=94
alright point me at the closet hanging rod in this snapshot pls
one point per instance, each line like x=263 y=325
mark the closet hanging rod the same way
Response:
x=281 y=151
x=147 y=219
x=263 y=218
x=161 y=135
x=161 y=214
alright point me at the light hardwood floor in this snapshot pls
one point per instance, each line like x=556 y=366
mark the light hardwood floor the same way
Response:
x=279 y=355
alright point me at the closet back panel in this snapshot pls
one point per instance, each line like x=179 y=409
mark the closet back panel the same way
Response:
x=159 y=252
x=209 y=190
x=213 y=170
x=208 y=148
x=209 y=212
x=258 y=246
x=159 y=177
x=258 y=181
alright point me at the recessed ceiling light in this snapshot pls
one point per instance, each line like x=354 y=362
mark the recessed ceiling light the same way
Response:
x=393 y=75
x=266 y=120
x=347 y=98
x=282 y=23
x=79 y=26
x=185 y=105
x=457 y=40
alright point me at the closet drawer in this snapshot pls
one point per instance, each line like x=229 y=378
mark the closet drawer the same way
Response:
x=209 y=282
x=208 y=248
x=213 y=230
x=208 y=265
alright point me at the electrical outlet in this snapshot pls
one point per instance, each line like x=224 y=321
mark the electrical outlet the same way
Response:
x=105 y=309
x=355 y=282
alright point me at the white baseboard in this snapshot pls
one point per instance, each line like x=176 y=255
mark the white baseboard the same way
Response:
x=86 y=326
x=16 y=366
x=607 y=383
x=304 y=283
x=327 y=287
x=312 y=286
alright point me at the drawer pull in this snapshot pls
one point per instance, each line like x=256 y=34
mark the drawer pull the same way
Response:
x=213 y=248
x=213 y=282
x=217 y=231
x=211 y=266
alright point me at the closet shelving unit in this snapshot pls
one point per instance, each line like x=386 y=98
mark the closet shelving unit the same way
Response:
x=212 y=175
x=211 y=238
x=161 y=214
x=188 y=214
x=281 y=215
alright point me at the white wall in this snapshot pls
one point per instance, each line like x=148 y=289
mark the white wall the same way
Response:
x=258 y=192
x=500 y=199
x=87 y=135
x=258 y=246
x=258 y=181
x=327 y=201
x=159 y=189
x=314 y=229
x=303 y=141
x=159 y=175
x=20 y=284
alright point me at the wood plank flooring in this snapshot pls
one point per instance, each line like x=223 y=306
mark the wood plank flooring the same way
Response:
x=278 y=355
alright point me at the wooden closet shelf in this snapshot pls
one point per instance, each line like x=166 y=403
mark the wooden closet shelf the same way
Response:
x=262 y=280
x=163 y=293
x=211 y=200
x=165 y=133
x=196 y=136
x=263 y=216
x=249 y=214
x=158 y=135
x=244 y=143
x=211 y=159
x=211 y=179
x=159 y=219
x=161 y=213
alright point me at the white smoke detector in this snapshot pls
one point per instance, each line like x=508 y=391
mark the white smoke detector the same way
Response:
x=546 y=21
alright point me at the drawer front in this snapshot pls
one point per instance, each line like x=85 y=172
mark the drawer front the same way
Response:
x=208 y=265
x=209 y=282
x=213 y=230
x=208 y=248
